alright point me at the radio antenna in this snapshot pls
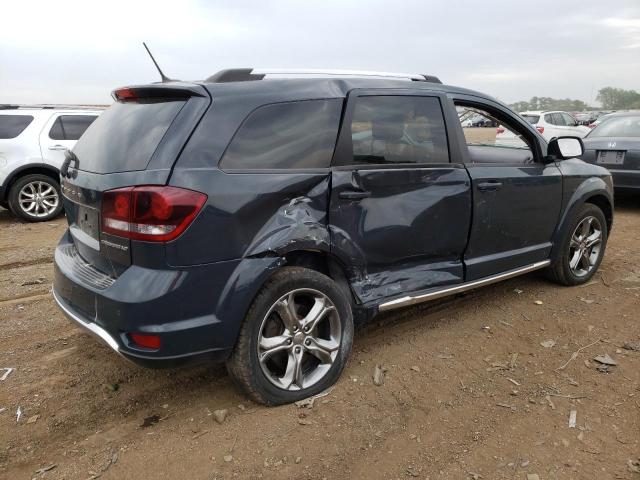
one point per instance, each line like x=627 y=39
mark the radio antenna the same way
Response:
x=164 y=78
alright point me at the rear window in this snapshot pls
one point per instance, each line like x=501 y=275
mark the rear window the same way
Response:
x=13 y=125
x=70 y=127
x=618 y=127
x=125 y=136
x=286 y=136
x=532 y=119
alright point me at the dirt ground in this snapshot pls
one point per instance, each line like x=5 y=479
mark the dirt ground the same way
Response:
x=469 y=392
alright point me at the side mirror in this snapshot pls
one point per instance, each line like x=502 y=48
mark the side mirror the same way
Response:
x=563 y=148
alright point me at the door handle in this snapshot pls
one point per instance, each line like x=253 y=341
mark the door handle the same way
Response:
x=57 y=147
x=353 y=195
x=489 y=186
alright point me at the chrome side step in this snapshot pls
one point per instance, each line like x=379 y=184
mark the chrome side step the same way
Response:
x=463 y=287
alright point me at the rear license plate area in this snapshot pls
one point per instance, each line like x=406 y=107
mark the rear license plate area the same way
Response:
x=610 y=157
x=88 y=220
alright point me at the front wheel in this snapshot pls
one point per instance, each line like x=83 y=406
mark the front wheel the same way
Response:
x=582 y=248
x=36 y=198
x=295 y=339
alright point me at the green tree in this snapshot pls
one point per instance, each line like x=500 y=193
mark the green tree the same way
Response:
x=618 y=98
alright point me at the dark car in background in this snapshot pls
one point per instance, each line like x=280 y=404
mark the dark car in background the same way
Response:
x=615 y=144
x=252 y=217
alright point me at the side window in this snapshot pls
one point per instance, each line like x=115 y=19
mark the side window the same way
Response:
x=286 y=135
x=13 y=125
x=70 y=127
x=492 y=137
x=550 y=119
x=397 y=129
x=57 y=132
x=75 y=125
x=569 y=121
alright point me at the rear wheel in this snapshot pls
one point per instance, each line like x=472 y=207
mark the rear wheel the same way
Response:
x=36 y=198
x=295 y=339
x=582 y=248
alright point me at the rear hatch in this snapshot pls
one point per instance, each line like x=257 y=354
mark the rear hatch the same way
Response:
x=134 y=142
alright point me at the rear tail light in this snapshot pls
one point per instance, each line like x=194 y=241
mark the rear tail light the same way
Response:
x=150 y=213
x=499 y=131
x=146 y=341
x=125 y=94
x=540 y=129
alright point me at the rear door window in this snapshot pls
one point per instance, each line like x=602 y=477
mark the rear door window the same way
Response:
x=13 y=125
x=532 y=119
x=125 y=136
x=288 y=135
x=396 y=129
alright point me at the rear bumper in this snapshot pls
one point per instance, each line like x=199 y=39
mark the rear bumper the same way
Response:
x=626 y=179
x=196 y=311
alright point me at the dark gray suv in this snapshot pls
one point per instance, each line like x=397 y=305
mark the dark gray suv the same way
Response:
x=253 y=217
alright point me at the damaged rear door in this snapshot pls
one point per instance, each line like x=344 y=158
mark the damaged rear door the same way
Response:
x=400 y=206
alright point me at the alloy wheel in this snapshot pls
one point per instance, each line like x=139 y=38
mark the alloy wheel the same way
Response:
x=38 y=199
x=585 y=246
x=299 y=339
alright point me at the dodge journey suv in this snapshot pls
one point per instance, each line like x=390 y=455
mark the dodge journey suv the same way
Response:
x=252 y=217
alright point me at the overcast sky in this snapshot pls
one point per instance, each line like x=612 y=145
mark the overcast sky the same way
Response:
x=78 y=51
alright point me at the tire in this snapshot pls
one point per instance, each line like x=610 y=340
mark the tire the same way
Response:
x=561 y=271
x=44 y=190
x=273 y=381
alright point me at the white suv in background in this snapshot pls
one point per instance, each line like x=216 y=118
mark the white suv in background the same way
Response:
x=33 y=141
x=549 y=124
x=555 y=124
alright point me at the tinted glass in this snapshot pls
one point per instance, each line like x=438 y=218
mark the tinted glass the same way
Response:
x=532 y=119
x=13 y=125
x=75 y=125
x=618 y=127
x=286 y=135
x=398 y=129
x=549 y=118
x=56 y=132
x=569 y=121
x=124 y=137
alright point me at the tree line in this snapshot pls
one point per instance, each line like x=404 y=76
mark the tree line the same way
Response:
x=609 y=97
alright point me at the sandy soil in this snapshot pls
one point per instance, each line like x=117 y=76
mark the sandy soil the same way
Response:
x=469 y=390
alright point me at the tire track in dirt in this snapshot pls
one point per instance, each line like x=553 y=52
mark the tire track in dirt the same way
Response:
x=26 y=263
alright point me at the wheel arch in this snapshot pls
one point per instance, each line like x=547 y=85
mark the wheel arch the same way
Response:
x=29 y=169
x=593 y=190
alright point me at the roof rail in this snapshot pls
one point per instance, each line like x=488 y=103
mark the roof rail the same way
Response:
x=247 y=74
x=52 y=106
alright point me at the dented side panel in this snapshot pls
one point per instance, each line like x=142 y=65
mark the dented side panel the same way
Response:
x=252 y=215
x=407 y=235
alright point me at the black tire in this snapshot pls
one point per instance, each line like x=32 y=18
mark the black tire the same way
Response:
x=244 y=365
x=42 y=215
x=4 y=205
x=560 y=271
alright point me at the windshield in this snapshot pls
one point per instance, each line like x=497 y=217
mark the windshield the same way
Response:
x=125 y=136
x=532 y=119
x=618 y=127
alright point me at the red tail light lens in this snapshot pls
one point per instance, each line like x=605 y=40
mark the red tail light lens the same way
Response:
x=125 y=94
x=540 y=129
x=146 y=341
x=150 y=213
x=499 y=130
